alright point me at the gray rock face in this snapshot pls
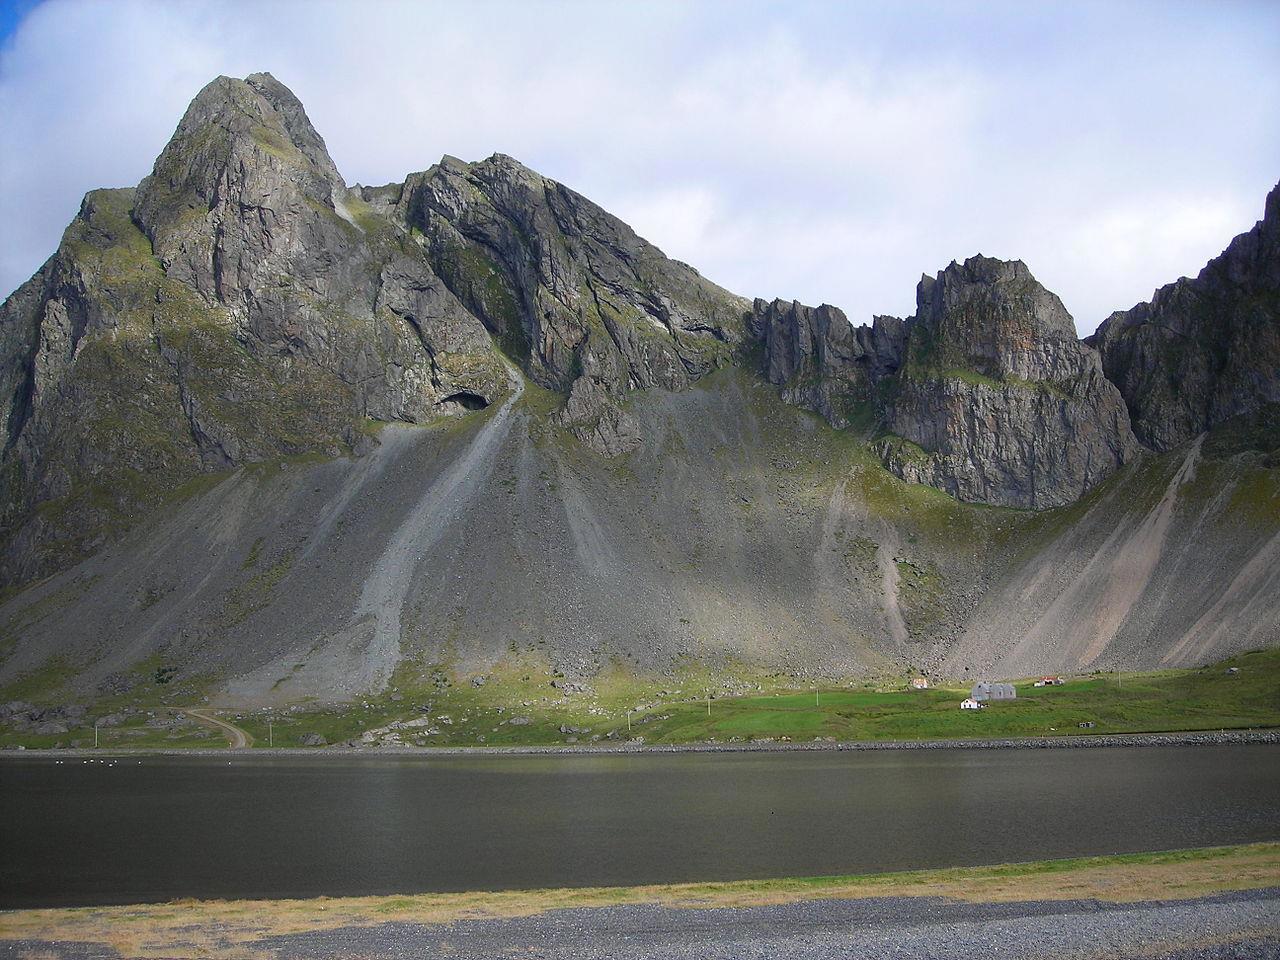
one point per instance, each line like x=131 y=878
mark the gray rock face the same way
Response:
x=1204 y=349
x=239 y=305
x=997 y=401
x=246 y=207
x=586 y=306
x=597 y=419
x=820 y=360
x=985 y=393
x=564 y=283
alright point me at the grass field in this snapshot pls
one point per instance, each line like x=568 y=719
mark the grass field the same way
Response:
x=230 y=928
x=1208 y=698
x=451 y=711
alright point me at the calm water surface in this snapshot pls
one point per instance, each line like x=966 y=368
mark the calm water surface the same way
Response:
x=75 y=833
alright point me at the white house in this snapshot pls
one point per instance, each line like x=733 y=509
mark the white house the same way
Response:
x=968 y=703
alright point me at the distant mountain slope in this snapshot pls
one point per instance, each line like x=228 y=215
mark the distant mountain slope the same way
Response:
x=745 y=534
x=262 y=424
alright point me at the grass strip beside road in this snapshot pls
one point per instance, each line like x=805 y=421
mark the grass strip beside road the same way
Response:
x=161 y=929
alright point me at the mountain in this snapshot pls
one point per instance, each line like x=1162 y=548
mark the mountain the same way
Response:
x=1205 y=349
x=291 y=435
x=985 y=393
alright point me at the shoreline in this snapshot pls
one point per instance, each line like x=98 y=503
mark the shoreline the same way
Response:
x=1067 y=741
x=1107 y=884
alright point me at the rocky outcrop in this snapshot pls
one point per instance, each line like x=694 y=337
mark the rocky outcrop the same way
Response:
x=567 y=287
x=822 y=362
x=1205 y=349
x=239 y=305
x=997 y=401
x=586 y=306
x=985 y=393
x=598 y=419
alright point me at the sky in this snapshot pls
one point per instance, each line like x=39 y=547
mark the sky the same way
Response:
x=820 y=152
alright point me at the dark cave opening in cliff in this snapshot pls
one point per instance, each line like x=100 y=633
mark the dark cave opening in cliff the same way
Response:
x=463 y=402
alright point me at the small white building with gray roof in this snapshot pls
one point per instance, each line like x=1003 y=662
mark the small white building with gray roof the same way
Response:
x=986 y=690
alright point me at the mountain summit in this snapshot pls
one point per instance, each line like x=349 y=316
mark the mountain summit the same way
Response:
x=296 y=433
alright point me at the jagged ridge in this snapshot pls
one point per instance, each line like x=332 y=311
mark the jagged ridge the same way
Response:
x=1205 y=349
x=242 y=306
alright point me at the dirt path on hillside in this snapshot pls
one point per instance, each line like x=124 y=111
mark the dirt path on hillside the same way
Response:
x=237 y=739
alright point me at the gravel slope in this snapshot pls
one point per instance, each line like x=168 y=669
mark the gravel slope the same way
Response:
x=744 y=532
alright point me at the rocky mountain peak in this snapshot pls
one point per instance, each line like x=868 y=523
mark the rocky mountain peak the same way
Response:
x=586 y=306
x=238 y=305
x=997 y=401
x=1205 y=349
x=296 y=123
x=985 y=393
x=994 y=318
x=253 y=122
x=244 y=186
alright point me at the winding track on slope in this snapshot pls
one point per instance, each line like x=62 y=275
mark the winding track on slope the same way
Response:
x=237 y=739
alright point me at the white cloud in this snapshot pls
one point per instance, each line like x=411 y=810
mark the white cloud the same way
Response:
x=822 y=152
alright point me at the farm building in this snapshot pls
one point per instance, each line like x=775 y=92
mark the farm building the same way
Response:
x=971 y=704
x=1050 y=682
x=919 y=683
x=986 y=690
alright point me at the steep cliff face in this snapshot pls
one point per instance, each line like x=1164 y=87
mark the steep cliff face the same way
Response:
x=246 y=208
x=586 y=306
x=1205 y=349
x=235 y=307
x=821 y=361
x=985 y=393
x=997 y=401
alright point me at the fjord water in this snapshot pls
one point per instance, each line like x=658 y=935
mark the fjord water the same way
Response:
x=158 y=828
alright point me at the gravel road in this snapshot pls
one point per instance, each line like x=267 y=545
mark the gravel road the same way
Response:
x=1236 y=925
x=821 y=929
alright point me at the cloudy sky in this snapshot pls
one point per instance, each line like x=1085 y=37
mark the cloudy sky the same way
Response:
x=814 y=151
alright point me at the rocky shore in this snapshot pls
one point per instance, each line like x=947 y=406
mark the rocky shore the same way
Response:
x=1202 y=738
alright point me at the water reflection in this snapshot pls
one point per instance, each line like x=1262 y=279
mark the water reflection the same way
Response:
x=275 y=827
